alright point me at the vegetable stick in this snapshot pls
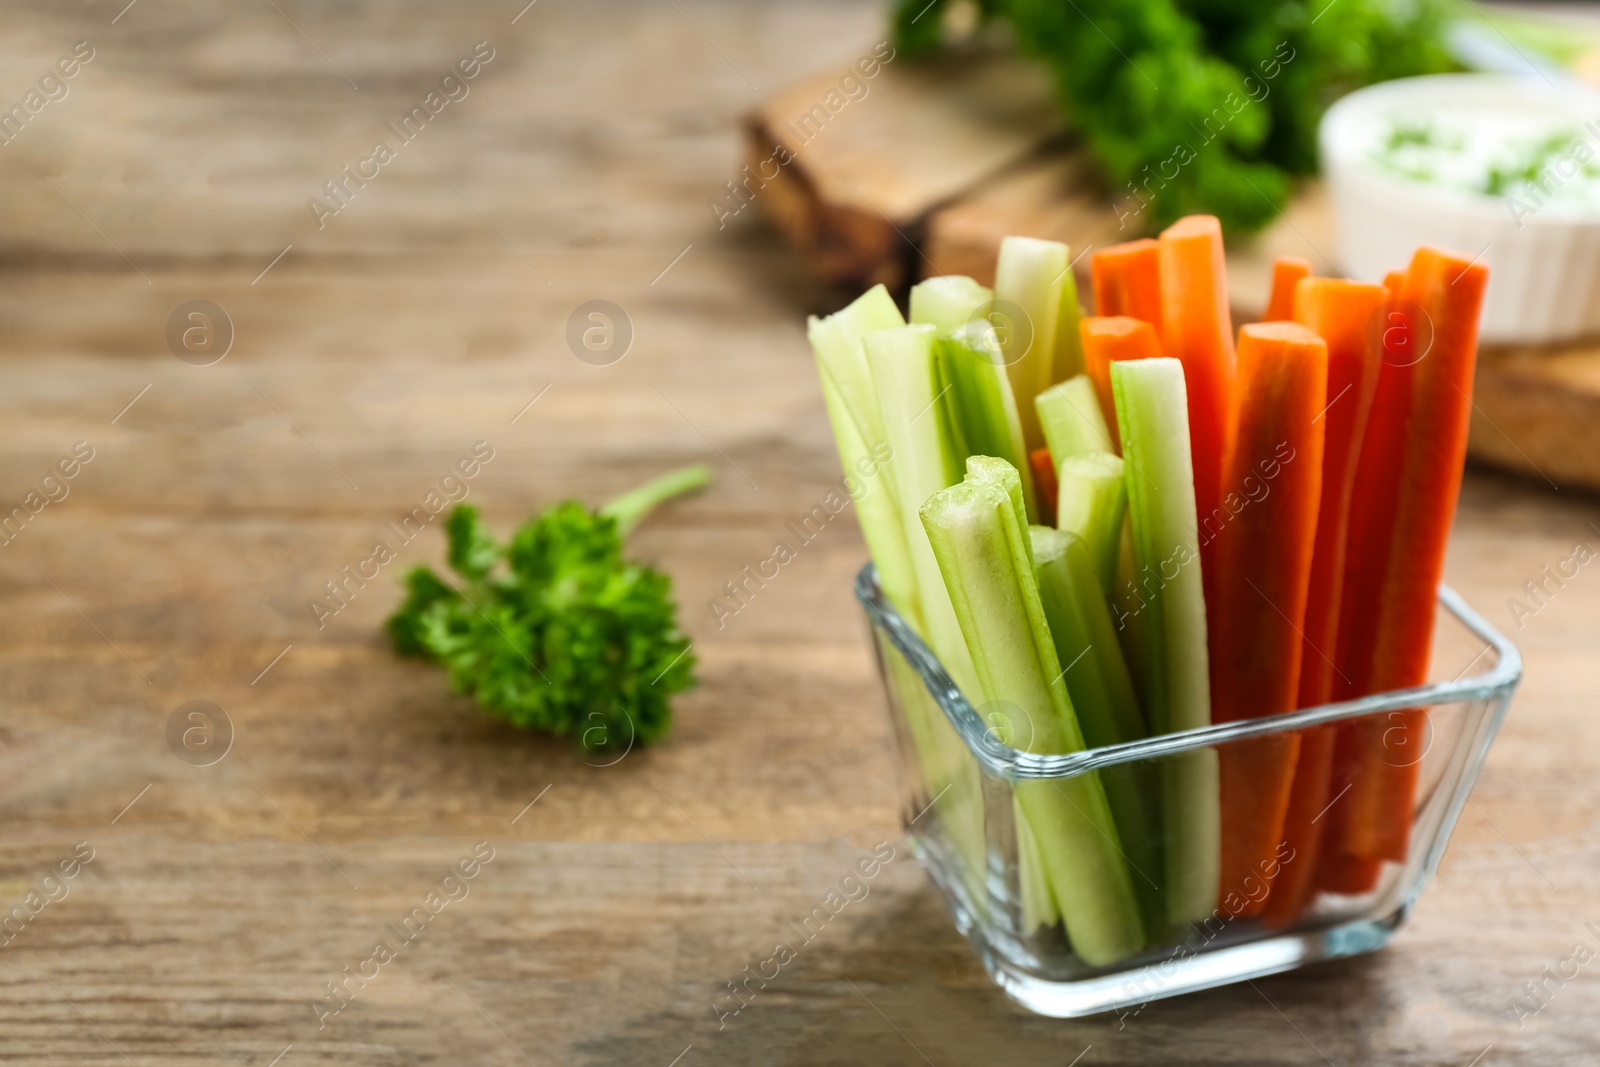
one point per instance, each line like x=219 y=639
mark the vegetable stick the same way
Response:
x=1093 y=505
x=1152 y=413
x=1068 y=362
x=1342 y=313
x=1287 y=271
x=1107 y=340
x=1272 y=487
x=865 y=452
x=984 y=555
x=1029 y=275
x=1045 y=482
x=975 y=388
x=948 y=303
x=1070 y=418
x=1127 y=281
x=906 y=376
x=1449 y=290
x=1102 y=696
x=1197 y=330
x=852 y=404
x=1394 y=282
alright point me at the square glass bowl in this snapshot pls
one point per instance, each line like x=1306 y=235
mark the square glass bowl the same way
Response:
x=960 y=803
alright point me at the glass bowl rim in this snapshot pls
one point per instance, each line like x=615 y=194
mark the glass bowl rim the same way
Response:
x=1003 y=761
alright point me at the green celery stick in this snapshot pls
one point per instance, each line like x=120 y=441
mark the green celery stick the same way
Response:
x=948 y=303
x=984 y=405
x=1092 y=504
x=864 y=450
x=926 y=459
x=1029 y=275
x=1069 y=416
x=1153 y=418
x=971 y=364
x=1102 y=695
x=1038 y=903
x=1068 y=361
x=982 y=553
x=1124 y=601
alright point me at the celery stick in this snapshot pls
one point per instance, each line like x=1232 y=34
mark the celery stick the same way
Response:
x=977 y=539
x=948 y=303
x=866 y=453
x=1029 y=275
x=1096 y=677
x=1092 y=504
x=1102 y=695
x=1068 y=361
x=864 y=450
x=984 y=405
x=1124 y=601
x=906 y=376
x=971 y=364
x=1038 y=903
x=1069 y=416
x=1153 y=418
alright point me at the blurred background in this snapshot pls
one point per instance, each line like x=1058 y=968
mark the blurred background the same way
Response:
x=260 y=341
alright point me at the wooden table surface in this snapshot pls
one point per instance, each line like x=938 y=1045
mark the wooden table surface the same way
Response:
x=367 y=359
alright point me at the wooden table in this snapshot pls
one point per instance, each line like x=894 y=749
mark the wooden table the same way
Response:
x=368 y=357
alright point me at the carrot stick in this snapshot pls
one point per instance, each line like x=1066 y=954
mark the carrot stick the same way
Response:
x=1107 y=340
x=1197 y=329
x=1448 y=291
x=1394 y=282
x=1272 y=482
x=1342 y=314
x=1044 y=480
x=1287 y=271
x=1127 y=281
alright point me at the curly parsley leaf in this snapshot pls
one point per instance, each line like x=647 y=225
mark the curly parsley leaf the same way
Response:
x=556 y=631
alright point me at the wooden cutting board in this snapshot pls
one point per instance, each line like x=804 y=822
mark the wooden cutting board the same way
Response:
x=935 y=163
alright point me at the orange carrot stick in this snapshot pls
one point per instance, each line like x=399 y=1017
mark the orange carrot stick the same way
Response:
x=1447 y=290
x=1394 y=282
x=1272 y=482
x=1286 y=274
x=1196 y=328
x=1044 y=481
x=1342 y=313
x=1107 y=340
x=1127 y=281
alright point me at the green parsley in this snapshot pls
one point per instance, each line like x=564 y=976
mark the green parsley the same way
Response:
x=556 y=631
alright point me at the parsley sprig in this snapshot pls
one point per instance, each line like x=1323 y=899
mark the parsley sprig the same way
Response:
x=556 y=631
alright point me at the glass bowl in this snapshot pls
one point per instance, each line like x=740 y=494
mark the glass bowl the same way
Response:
x=959 y=811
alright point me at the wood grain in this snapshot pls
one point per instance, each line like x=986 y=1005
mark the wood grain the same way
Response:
x=378 y=350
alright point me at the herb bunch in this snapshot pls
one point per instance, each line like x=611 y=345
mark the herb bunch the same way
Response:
x=1204 y=105
x=556 y=631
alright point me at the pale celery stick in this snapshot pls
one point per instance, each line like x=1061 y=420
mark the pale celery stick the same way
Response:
x=1102 y=695
x=1068 y=361
x=1153 y=418
x=1124 y=601
x=1029 y=275
x=971 y=364
x=983 y=402
x=852 y=402
x=1092 y=504
x=1038 y=903
x=906 y=376
x=1069 y=416
x=975 y=533
x=948 y=303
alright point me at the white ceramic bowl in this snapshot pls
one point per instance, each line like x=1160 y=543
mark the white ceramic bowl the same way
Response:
x=1544 y=264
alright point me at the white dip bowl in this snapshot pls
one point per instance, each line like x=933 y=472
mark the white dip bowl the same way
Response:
x=1413 y=162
